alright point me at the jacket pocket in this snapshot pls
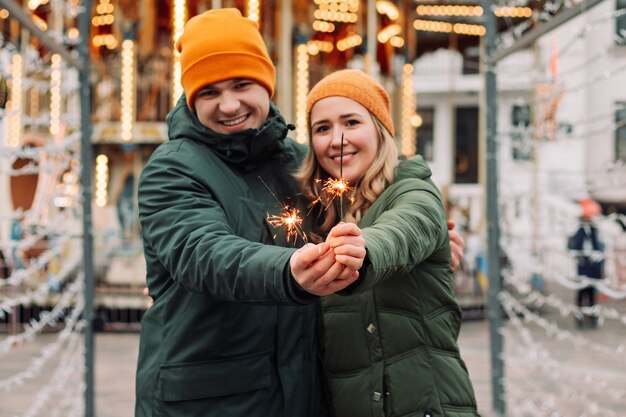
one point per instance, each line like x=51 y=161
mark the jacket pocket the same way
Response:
x=195 y=380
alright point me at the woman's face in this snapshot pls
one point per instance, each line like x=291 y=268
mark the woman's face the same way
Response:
x=330 y=118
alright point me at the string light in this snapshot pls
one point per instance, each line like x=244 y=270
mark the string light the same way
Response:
x=388 y=8
x=34 y=103
x=128 y=89
x=70 y=366
x=40 y=233
x=55 y=94
x=179 y=17
x=55 y=148
x=46 y=318
x=102 y=180
x=314 y=47
x=514 y=12
x=73 y=33
x=532 y=297
x=302 y=90
x=468 y=29
x=323 y=26
x=472 y=11
x=348 y=42
x=253 y=8
x=14 y=121
x=530 y=352
x=34 y=4
x=449 y=10
x=533 y=406
x=47 y=353
x=19 y=276
x=555 y=264
x=72 y=404
x=385 y=34
x=432 y=26
x=544 y=256
x=342 y=17
x=447 y=27
x=396 y=41
x=338 y=11
x=408 y=110
x=342 y=11
x=54 y=160
x=103 y=20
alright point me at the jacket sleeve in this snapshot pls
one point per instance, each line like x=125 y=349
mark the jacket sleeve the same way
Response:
x=190 y=235
x=409 y=230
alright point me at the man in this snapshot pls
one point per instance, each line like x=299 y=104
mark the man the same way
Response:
x=232 y=328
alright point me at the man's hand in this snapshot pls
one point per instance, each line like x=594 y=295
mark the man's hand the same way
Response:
x=457 y=244
x=316 y=271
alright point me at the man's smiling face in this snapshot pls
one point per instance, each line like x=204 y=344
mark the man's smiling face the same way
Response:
x=232 y=105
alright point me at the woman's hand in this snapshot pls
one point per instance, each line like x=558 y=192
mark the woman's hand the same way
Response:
x=457 y=244
x=146 y=293
x=347 y=242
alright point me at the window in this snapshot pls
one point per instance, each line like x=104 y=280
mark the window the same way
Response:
x=520 y=138
x=471 y=60
x=620 y=131
x=520 y=115
x=425 y=133
x=620 y=23
x=466 y=141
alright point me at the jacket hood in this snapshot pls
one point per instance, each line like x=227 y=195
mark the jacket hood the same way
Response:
x=246 y=147
x=414 y=167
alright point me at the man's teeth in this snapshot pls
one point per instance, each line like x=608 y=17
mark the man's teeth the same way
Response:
x=235 y=121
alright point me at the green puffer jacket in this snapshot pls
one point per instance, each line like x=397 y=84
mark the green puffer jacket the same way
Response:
x=390 y=348
x=228 y=335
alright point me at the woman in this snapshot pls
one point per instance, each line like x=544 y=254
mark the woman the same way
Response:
x=390 y=347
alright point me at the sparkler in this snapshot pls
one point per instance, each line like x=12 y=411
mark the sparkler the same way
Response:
x=289 y=219
x=341 y=185
x=337 y=187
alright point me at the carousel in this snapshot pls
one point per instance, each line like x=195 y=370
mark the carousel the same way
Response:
x=134 y=77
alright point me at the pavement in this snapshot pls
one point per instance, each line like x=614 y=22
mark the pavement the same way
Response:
x=571 y=372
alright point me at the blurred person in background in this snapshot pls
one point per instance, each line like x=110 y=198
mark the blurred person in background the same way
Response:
x=590 y=259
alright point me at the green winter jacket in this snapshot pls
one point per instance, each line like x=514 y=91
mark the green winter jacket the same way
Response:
x=228 y=335
x=390 y=348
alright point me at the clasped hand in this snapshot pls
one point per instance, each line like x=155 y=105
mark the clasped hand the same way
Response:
x=330 y=266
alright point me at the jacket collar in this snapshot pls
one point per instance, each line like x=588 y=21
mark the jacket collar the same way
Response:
x=247 y=148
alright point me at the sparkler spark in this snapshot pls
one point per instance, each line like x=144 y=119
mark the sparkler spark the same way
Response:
x=289 y=219
x=336 y=188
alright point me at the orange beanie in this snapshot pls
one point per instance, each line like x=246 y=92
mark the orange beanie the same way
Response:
x=218 y=45
x=589 y=208
x=358 y=86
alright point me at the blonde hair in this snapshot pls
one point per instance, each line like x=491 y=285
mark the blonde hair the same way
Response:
x=378 y=176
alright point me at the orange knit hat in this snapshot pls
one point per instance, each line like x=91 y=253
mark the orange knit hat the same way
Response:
x=218 y=45
x=358 y=86
x=589 y=208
